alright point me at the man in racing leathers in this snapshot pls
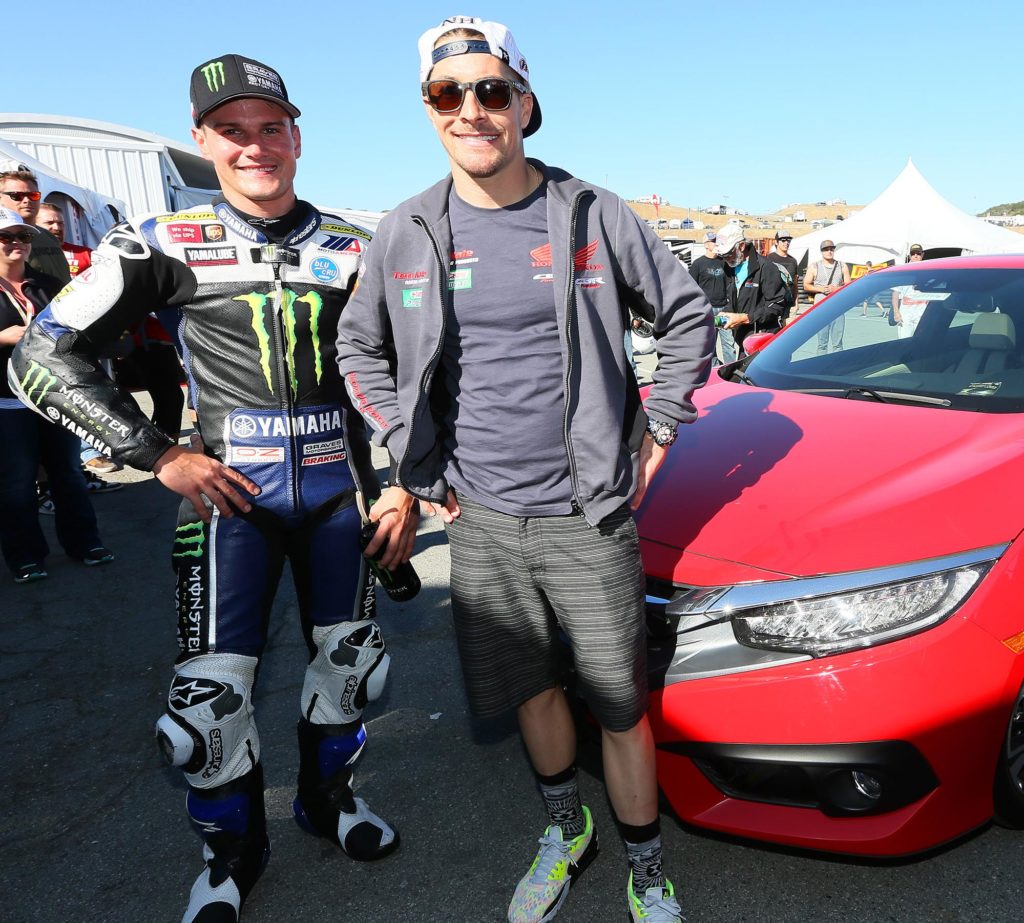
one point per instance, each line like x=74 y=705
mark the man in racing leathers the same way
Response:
x=261 y=279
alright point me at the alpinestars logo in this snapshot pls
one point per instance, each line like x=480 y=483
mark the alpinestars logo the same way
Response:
x=187 y=692
x=257 y=303
x=541 y=256
x=214 y=74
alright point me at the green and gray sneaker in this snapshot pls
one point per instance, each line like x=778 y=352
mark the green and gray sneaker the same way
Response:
x=543 y=889
x=658 y=905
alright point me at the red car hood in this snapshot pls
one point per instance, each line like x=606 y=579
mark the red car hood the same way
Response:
x=767 y=484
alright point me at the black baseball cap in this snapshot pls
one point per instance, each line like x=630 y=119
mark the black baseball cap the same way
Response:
x=231 y=76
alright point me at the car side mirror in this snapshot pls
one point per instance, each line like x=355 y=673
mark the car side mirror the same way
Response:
x=753 y=342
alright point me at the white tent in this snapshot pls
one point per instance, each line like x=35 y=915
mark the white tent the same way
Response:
x=88 y=215
x=909 y=211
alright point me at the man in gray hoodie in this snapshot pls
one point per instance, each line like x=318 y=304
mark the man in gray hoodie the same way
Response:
x=483 y=346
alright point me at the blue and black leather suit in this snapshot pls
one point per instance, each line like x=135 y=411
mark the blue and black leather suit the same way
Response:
x=259 y=308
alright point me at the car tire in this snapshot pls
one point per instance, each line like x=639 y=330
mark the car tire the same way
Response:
x=1008 y=790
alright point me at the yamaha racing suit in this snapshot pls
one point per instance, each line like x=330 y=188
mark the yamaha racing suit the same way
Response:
x=259 y=310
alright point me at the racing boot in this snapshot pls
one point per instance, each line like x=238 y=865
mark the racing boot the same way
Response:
x=325 y=805
x=232 y=823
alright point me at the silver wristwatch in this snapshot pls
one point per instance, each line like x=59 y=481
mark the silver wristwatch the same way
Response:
x=663 y=434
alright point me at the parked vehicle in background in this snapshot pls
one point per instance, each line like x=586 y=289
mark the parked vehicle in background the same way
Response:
x=835 y=574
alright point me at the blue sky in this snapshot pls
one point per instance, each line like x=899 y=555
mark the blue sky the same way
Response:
x=752 y=104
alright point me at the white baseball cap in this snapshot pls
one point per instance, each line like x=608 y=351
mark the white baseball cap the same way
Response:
x=9 y=219
x=728 y=236
x=497 y=41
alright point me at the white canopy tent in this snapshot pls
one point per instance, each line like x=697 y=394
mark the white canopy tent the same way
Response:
x=909 y=211
x=88 y=215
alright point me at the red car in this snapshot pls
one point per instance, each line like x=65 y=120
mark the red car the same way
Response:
x=835 y=582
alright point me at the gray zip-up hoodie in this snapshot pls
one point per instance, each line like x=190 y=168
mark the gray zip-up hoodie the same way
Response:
x=392 y=333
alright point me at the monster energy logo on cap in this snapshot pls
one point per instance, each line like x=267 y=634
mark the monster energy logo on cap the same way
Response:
x=214 y=74
x=231 y=76
x=257 y=304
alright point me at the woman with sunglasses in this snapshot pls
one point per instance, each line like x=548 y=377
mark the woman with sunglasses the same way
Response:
x=29 y=439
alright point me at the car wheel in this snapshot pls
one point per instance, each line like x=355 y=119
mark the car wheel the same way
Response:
x=1008 y=792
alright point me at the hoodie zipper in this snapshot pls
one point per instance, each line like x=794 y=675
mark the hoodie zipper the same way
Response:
x=428 y=369
x=570 y=308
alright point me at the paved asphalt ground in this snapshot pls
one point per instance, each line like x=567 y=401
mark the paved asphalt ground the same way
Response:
x=92 y=825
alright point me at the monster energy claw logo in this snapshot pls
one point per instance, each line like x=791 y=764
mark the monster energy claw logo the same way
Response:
x=189 y=540
x=214 y=74
x=37 y=378
x=289 y=299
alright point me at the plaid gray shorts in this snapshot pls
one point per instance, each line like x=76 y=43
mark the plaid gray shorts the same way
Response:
x=516 y=580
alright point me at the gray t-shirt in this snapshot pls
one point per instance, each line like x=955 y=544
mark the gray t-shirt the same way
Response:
x=501 y=394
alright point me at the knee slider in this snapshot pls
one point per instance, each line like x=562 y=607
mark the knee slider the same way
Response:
x=209 y=729
x=349 y=670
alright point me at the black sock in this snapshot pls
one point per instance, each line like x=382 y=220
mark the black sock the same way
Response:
x=561 y=794
x=643 y=850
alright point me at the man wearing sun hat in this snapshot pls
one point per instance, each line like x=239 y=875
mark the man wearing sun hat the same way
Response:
x=484 y=348
x=283 y=471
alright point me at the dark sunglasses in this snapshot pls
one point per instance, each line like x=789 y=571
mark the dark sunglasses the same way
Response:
x=826 y=249
x=31 y=196
x=22 y=237
x=493 y=93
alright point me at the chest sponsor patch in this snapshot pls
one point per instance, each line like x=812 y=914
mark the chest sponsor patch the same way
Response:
x=185 y=233
x=412 y=298
x=323 y=448
x=211 y=256
x=323 y=269
x=460 y=279
x=345 y=229
x=327 y=459
x=255 y=455
x=339 y=243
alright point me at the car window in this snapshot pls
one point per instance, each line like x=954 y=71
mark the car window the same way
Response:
x=943 y=338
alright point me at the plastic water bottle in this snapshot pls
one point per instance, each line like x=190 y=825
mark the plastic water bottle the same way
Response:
x=401 y=583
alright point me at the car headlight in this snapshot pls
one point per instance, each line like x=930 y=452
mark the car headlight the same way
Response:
x=830 y=624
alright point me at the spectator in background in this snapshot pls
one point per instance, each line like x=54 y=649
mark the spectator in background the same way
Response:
x=708 y=272
x=823 y=277
x=907 y=303
x=29 y=438
x=51 y=219
x=780 y=256
x=19 y=192
x=759 y=298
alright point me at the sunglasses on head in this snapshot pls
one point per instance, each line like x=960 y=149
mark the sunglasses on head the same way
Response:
x=493 y=93
x=18 y=196
x=22 y=237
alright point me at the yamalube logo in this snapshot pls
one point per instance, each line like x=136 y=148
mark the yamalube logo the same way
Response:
x=53 y=413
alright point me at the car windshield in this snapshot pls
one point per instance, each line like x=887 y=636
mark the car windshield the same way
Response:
x=943 y=338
